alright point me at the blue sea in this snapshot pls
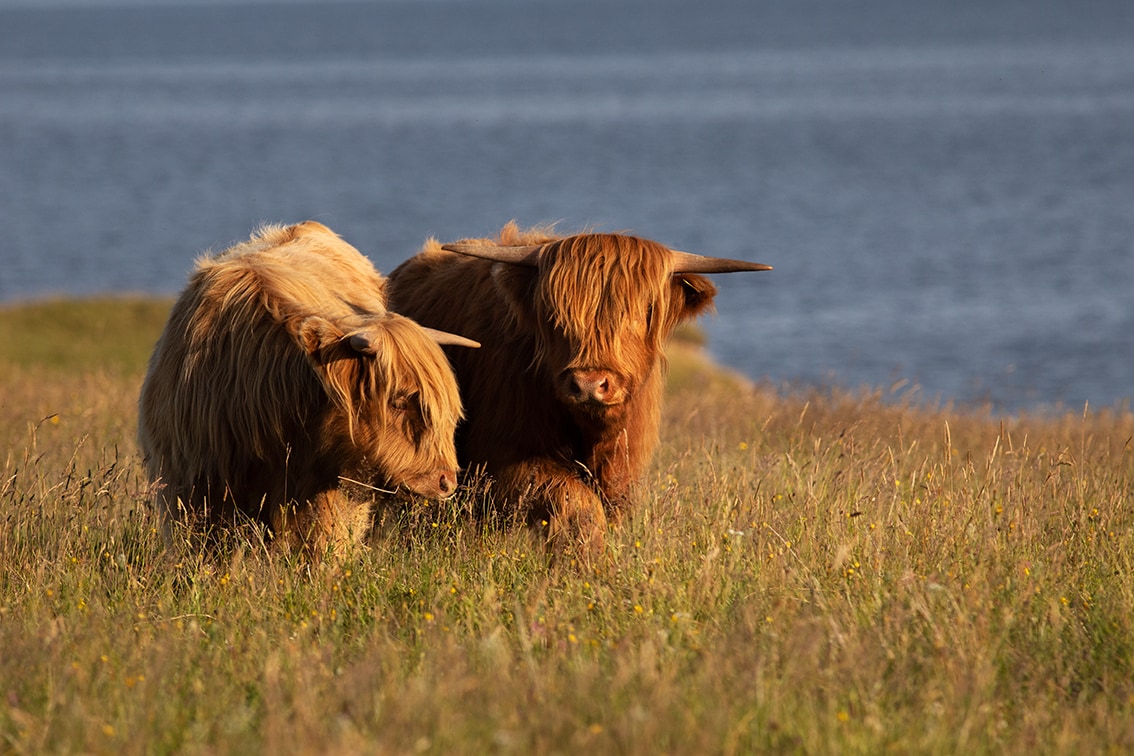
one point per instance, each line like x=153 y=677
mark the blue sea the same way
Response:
x=945 y=188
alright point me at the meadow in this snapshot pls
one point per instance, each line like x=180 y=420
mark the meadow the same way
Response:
x=811 y=570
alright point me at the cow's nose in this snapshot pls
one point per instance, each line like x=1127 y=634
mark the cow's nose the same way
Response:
x=447 y=483
x=590 y=385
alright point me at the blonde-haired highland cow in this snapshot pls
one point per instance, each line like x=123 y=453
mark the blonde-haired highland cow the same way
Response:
x=281 y=376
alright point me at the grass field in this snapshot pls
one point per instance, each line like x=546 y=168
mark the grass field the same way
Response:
x=809 y=572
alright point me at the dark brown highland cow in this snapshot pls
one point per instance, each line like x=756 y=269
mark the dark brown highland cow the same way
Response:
x=280 y=375
x=563 y=399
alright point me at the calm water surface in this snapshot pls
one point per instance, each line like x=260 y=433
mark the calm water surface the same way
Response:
x=946 y=192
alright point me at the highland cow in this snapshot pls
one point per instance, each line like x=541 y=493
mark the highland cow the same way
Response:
x=280 y=377
x=564 y=398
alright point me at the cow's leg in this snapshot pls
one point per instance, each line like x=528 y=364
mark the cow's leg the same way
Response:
x=578 y=522
x=183 y=529
x=170 y=512
x=187 y=514
x=556 y=503
x=328 y=522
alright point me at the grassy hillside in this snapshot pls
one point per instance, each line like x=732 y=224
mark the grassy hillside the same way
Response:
x=79 y=335
x=817 y=572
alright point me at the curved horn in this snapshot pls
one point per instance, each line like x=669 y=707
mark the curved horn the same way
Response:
x=361 y=342
x=525 y=255
x=685 y=262
x=452 y=339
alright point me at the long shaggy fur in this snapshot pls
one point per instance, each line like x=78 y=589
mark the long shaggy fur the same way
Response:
x=595 y=302
x=281 y=371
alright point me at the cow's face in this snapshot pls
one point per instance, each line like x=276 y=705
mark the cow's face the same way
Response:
x=398 y=403
x=601 y=306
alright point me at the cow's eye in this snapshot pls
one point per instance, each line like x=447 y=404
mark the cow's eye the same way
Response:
x=402 y=402
x=649 y=316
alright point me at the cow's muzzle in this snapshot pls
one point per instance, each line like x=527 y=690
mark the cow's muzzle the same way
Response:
x=438 y=484
x=590 y=386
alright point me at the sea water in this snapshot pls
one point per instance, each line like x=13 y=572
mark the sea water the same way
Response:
x=945 y=189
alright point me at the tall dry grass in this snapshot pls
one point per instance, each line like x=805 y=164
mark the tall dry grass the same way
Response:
x=810 y=571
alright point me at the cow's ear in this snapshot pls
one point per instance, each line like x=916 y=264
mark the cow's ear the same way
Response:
x=516 y=284
x=315 y=333
x=692 y=295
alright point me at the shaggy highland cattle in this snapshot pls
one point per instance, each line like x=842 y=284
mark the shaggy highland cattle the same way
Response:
x=280 y=377
x=563 y=400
